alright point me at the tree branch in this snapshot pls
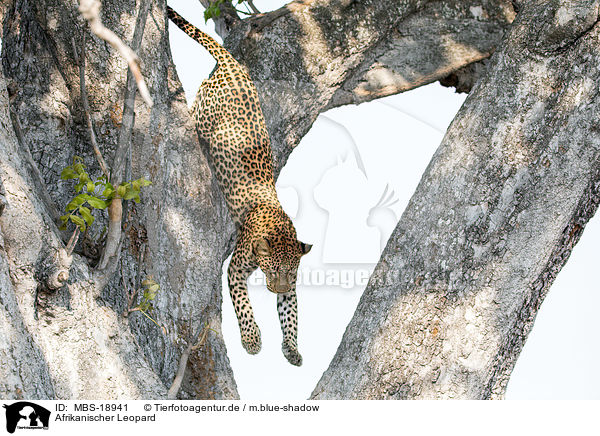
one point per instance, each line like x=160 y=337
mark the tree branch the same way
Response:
x=308 y=57
x=90 y=9
x=123 y=153
x=228 y=19
x=33 y=169
x=493 y=220
x=194 y=344
x=252 y=6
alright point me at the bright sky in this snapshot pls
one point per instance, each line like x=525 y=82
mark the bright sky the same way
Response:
x=366 y=153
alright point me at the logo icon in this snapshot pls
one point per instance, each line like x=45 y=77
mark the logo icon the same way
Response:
x=26 y=415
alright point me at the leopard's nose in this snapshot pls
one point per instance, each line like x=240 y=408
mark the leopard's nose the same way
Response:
x=281 y=288
x=281 y=284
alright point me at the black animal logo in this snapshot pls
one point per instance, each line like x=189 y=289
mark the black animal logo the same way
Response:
x=31 y=414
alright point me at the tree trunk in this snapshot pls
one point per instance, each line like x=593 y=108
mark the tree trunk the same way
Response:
x=493 y=220
x=475 y=250
x=75 y=341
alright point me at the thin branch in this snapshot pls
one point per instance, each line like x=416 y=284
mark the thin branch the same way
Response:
x=250 y=14
x=34 y=171
x=138 y=283
x=199 y=342
x=113 y=236
x=80 y=60
x=251 y=4
x=119 y=166
x=124 y=141
x=72 y=241
x=90 y=9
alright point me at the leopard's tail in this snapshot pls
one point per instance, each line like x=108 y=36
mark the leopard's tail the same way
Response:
x=207 y=41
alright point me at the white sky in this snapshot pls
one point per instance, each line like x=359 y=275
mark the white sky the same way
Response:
x=561 y=355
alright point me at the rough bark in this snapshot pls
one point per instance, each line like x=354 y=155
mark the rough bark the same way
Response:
x=305 y=58
x=310 y=56
x=492 y=222
x=85 y=348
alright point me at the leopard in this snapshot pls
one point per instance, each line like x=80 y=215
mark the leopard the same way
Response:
x=229 y=118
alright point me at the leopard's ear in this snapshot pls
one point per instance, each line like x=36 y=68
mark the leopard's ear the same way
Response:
x=261 y=247
x=305 y=247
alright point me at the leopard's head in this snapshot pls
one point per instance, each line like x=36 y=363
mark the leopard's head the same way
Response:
x=278 y=256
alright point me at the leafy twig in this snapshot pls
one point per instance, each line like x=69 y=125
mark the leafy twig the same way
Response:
x=98 y=194
x=119 y=166
x=151 y=288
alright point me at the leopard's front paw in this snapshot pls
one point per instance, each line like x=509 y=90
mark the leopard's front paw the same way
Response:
x=291 y=354
x=251 y=339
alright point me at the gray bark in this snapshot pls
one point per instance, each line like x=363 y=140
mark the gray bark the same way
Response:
x=85 y=348
x=493 y=220
x=310 y=56
x=305 y=58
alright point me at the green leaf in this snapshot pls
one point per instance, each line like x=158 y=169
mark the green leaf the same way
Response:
x=68 y=173
x=148 y=282
x=97 y=203
x=144 y=182
x=75 y=203
x=108 y=191
x=65 y=218
x=136 y=184
x=86 y=214
x=84 y=178
x=79 y=168
x=136 y=199
x=79 y=222
x=90 y=186
x=79 y=186
x=130 y=194
x=121 y=190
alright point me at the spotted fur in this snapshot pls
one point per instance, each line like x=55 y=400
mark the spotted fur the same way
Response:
x=229 y=118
